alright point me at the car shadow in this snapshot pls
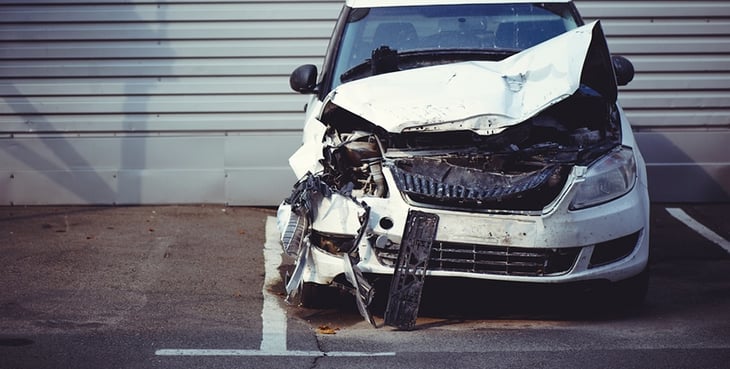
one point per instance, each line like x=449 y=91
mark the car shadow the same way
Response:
x=451 y=301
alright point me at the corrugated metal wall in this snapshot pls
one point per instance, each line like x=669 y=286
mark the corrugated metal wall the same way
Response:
x=127 y=102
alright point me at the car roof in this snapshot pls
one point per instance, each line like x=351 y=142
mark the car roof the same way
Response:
x=384 y=3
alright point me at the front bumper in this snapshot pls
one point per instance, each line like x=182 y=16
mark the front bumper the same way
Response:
x=605 y=242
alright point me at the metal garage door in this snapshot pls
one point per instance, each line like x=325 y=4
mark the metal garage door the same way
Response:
x=139 y=102
x=107 y=102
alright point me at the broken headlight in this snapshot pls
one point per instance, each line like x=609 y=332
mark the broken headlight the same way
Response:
x=355 y=162
x=610 y=177
x=333 y=244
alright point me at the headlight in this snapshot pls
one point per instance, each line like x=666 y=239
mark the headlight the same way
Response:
x=610 y=177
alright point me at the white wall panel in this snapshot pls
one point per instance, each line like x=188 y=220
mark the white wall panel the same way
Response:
x=132 y=104
x=143 y=123
x=226 y=67
x=109 y=102
x=187 y=101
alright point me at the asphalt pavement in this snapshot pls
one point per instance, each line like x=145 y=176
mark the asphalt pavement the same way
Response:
x=183 y=287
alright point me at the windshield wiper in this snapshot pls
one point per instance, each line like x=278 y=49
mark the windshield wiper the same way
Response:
x=383 y=60
x=356 y=72
x=386 y=60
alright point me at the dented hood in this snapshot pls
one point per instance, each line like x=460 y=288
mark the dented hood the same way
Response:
x=484 y=96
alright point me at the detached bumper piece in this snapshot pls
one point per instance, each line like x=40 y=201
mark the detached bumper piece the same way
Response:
x=293 y=236
x=410 y=270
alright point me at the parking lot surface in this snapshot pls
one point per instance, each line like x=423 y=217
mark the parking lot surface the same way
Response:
x=201 y=286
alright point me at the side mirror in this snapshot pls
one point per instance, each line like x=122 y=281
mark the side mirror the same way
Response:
x=304 y=79
x=623 y=68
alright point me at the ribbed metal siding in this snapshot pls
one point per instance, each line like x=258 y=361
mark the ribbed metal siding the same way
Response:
x=153 y=101
x=679 y=102
x=104 y=101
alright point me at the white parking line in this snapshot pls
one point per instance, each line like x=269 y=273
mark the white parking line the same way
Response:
x=274 y=327
x=699 y=228
x=203 y=352
x=273 y=317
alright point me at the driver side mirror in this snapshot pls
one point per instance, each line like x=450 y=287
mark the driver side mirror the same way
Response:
x=623 y=68
x=304 y=79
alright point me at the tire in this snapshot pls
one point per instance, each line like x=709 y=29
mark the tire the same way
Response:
x=315 y=296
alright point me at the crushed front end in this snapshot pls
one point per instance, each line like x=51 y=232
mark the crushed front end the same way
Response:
x=517 y=170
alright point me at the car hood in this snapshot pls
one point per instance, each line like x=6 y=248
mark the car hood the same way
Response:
x=483 y=96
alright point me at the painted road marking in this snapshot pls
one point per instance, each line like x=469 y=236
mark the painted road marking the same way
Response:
x=273 y=317
x=273 y=335
x=203 y=352
x=699 y=228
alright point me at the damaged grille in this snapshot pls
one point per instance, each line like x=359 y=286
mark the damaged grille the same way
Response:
x=473 y=189
x=495 y=260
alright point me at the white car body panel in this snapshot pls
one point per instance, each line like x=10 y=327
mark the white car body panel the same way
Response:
x=509 y=92
x=486 y=98
x=490 y=95
x=556 y=227
x=451 y=96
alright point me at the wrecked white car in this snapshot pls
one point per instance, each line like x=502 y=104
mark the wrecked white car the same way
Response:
x=477 y=139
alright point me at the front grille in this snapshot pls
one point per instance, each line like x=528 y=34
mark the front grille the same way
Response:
x=415 y=184
x=474 y=189
x=495 y=260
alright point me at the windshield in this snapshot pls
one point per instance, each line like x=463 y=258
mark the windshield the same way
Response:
x=448 y=30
